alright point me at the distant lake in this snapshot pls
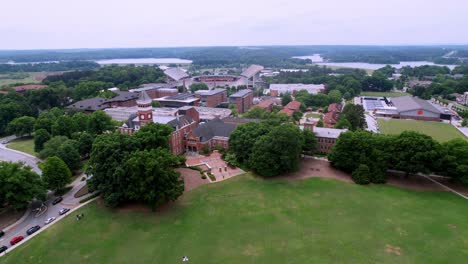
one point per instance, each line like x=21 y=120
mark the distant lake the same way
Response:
x=145 y=61
x=318 y=60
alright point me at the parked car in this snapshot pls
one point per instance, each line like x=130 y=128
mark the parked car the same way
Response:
x=16 y=240
x=3 y=249
x=57 y=200
x=49 y=220
x=2 y=233
x=33 y=230
x=63 y=211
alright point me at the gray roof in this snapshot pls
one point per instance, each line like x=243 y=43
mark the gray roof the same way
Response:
x=241 y=93
x=99 y=103
x=144 y=98
x=408 y=103
x=176 y=74
x=252 y=70
x=328 y=132
x=214 y=128
x=210 y=92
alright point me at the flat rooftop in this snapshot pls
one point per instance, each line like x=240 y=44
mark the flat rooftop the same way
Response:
x=241 y=93
x=210 y=92
x=186 y=98
x=328 y=132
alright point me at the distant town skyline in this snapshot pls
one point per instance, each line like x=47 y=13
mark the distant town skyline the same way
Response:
x=55 y=24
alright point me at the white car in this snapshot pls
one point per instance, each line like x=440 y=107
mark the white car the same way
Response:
x=49 y=220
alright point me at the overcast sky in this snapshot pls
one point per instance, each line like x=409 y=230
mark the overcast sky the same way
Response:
x=34 y=24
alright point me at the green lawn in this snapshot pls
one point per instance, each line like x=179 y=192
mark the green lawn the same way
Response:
x=439 y=131
x=386 y=94
x=314 y=115
x=250 y=220
x=23 y=144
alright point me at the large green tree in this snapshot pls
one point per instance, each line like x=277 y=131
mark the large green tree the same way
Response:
x=198 y=86
x=413 y=152
x=19 y=185
x=64 y=148
x=64 y=126
x=278 y=151
x=100 y=122
x=21 y=126
x=106 y=164
x=56 y=174
x=286 y=99
x=454 y=161
x=354 y=114
x=41 y=136
x=310 y=141
x=243 y=138
x=152 y=178
x=154 y=136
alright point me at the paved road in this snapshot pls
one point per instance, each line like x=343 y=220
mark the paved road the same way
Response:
x=7 y=154
x=69 y=201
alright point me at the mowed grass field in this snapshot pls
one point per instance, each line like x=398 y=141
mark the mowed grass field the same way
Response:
x=441 y=132
x=23 y=144
x=4 y=80
x=384 y=94
x=250 y=220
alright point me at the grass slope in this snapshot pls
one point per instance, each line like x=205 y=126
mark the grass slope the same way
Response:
x=23 y=144
x=439 y=131
x=249 y=220
x=381 y=94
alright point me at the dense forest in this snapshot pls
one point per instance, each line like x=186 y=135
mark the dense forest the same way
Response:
x=48 y=67
x=270 y=56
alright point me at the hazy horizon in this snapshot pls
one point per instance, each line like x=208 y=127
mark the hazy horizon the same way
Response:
x=87 y=24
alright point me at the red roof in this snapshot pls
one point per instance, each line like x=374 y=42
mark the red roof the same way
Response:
x=292 y=107
x=333 y=108
x=329 y=119
x=266 y=103
x=29 y=87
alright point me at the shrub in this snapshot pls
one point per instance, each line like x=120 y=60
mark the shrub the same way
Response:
x=212 y=177
x=83 y=178
x=90 y=197
x=203 y=177
x=361 y=175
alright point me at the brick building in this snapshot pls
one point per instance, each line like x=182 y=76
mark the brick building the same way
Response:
x=243 y=100
x=211 y=98
x=210 y=135
x=156 y=90
x=183 y=123
x=326 y=137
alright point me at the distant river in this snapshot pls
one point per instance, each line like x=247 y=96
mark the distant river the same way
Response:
x=317 y=59
x=145 y=61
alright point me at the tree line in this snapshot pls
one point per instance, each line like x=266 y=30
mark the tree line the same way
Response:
x=49 y=67
x=368 y=156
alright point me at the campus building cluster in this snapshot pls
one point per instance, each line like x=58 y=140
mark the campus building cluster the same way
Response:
x=405 y=107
